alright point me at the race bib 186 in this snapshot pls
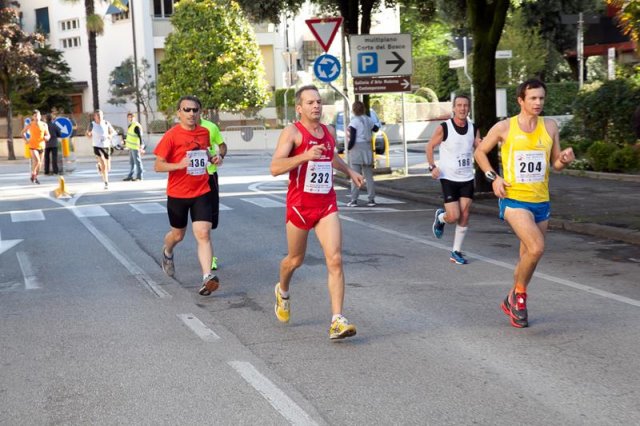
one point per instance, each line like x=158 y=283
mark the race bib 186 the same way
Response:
x=197 y=162
x=319 y=178
x=531 y=166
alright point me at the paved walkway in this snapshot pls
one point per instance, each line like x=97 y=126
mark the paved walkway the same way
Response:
x=598 y=204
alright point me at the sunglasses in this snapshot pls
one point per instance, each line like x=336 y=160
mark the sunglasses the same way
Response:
x=190 y=109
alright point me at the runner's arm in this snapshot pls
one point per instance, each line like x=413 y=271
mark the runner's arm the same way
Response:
x=47 y=135
x=436 y=140
x=281 y=162
x=161 y=165
x=497 y=133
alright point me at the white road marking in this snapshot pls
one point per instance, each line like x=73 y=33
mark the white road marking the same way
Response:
x=89 y=211
x=149 y=208
x=263 y=202
x=27 y=216
x=223 y=207
x=277 y=398
x=198 y=327
x=30 y=279
x=505 y=265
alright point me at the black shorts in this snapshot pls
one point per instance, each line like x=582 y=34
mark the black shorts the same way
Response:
x=215 y=199
x=101 y=152
x=180 y=208
x=453 y=191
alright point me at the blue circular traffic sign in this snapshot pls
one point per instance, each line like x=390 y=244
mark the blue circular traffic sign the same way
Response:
x=64 y=125
x=326 y=68
x=27 y=134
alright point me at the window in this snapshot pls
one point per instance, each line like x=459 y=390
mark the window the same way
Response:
x=70 y=24
x=122 y=16
x=42 y=20
x=163 y=8
x=69 y=43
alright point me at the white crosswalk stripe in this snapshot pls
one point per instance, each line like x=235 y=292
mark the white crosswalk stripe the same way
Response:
x=263 y=202
x=27 y=216
x=89 y=211
x=149 y=208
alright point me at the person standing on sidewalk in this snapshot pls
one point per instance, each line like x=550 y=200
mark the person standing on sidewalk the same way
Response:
x=457 y=138
x=38 y=136
x=51 y=147
x=133 y=142
x=360 y=131
x=101 y=132
x=217 y=151
x=530 y=147
x=306 y=150
x=183 y=152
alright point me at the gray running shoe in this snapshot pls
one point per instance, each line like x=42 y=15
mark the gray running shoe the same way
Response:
x=210 y=283
x=167 y=264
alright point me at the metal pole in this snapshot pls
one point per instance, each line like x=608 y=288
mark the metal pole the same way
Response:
x=135 y=61
x=345 y=88
x=404 y=139
x=466 y=72
x=580 y=51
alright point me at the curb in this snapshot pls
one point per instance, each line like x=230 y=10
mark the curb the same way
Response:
x=592 y=229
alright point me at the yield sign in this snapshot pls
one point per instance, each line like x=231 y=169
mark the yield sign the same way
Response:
x=324 y=30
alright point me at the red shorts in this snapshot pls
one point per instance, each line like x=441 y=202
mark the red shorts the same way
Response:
x=308 y=217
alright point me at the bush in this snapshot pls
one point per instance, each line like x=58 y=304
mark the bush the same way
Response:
x=572 y=135
x=599 y=154
x=624 y=160
x=159 y=126
x=559 y=101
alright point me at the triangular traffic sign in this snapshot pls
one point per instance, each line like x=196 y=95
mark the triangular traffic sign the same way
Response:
x=324 y=30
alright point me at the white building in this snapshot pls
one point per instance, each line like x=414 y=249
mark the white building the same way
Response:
x=64 y=23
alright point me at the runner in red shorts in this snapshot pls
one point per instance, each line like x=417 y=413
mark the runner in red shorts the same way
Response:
x=306 y=151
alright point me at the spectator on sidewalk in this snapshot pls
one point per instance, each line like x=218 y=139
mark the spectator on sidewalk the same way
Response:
x=135 y=145
x=51 y=147
x=360 y=131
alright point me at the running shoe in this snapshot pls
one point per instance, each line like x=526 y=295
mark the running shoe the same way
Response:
x=214 y=263
x=106 y=185
x=36 y=181
x=341 y=328
x=371 y=203
x=128 y=179
x=352 y=204
x=167 y=264
x=457 y=258
x=438 y=227
x=33 y=179
x=282 y=306
x=210 y=283
x=515 y=305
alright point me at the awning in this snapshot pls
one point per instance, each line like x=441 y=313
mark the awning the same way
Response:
x=113 y=10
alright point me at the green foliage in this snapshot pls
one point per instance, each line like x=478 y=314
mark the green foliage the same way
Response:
x=434 y=72
x=122 y=85
x=599 y=154
x=159 y=126
x=269 y=10
x=605 y=110
x=213 y=54
x=559 y=100
x=624 y=159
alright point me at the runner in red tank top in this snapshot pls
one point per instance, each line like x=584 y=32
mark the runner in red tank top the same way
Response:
x=306 y=151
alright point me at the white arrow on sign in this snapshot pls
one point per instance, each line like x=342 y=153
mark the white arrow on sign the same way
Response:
x=8 y=244
x=405 y=83
x=65 y=129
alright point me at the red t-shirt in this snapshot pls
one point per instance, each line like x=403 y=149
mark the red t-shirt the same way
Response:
x=308 y=188
x=173 y=147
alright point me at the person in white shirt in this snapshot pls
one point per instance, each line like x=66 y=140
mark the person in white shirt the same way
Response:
x=101 y=133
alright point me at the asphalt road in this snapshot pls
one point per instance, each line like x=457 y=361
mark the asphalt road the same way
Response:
x=92 y=332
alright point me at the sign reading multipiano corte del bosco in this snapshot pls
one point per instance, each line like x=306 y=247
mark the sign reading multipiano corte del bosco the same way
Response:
x=380 y=54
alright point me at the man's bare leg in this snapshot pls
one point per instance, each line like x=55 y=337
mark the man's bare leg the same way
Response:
x=296 y=249
x=329 y=233
x=531 y=236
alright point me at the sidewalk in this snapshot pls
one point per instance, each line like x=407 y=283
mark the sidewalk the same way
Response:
x=599 y=204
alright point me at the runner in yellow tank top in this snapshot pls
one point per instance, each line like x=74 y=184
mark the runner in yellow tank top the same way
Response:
x=530 y=147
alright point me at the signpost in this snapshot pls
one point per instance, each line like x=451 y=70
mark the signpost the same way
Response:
x=365 y=85
x=380 y=54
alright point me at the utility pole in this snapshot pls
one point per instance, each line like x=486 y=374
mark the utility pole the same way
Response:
x=135 y=60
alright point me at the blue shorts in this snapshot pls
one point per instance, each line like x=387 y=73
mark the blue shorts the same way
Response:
x=541 y=211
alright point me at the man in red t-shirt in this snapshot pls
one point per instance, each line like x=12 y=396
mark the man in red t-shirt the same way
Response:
x=306 y=151
x=183 y=152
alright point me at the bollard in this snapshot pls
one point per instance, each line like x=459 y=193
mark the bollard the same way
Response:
x=27 y=151
x=60 y=191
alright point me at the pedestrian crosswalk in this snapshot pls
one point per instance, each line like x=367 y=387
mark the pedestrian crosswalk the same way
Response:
x=148 y=208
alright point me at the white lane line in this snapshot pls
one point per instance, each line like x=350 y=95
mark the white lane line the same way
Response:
x=27 y=216
x=197 y=326
x=30 y=279
x=223 y=207
x=89 y=211
x=278 y=399
x=149 y=208
x=263 y=202
x=505 y=265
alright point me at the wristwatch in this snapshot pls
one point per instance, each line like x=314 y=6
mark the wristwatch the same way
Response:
x=432 y=167
x=490 y=175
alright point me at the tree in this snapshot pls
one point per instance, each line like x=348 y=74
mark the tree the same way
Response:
x=269 y=10
x=213 y=54
x=123 y=87
x=18 y=63
x=628 y=16
x=55 y=83
x=95 y=27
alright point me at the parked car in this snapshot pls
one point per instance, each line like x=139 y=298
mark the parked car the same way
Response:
x=340 y=135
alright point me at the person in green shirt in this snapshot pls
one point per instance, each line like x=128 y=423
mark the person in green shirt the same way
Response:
x=217 y=151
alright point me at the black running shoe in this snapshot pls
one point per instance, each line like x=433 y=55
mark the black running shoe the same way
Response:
x=515 y=305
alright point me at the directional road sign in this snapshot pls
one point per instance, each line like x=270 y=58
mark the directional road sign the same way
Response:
x=380 y=54
x=324 y=30
x=65 y=126
x=364 y=85
x=326 y=68
x=27 y=121
x=456 y=63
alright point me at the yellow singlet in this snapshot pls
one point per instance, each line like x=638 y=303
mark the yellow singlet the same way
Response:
x=525 y=162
